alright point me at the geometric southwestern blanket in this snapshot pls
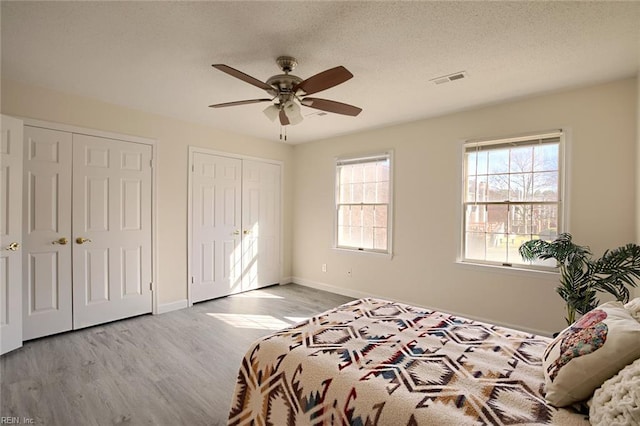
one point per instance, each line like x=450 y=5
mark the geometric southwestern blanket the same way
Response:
x=375 y=362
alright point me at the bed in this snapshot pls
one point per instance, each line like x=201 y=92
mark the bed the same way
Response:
x=376 y=362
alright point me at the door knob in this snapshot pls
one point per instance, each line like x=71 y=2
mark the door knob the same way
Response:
x=13 y=246
x=81 y=240
x=247 y=231
x=62 y=241
x=236 y=232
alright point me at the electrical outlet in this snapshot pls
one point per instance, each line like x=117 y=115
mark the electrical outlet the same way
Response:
x=324 y=267
x=349 y=272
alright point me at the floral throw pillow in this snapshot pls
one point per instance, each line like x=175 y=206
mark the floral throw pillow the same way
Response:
x=588 y=352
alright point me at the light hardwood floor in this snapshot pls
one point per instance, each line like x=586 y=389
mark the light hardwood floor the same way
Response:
x=177 y=368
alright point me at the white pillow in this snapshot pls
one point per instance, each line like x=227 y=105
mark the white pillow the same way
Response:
x=617 y=402
x=634 y=308
x=588 y=352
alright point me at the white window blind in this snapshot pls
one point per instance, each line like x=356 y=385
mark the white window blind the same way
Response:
x=363 y=200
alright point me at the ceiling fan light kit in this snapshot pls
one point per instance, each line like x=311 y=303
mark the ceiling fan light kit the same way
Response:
x=289 y=91
x=272 y=112
x=293 y=112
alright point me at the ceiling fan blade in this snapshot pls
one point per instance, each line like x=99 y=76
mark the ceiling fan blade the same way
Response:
x=331 y=106
x=284 y=120
x=242 y=76
x=249 y=101
x=324 y=80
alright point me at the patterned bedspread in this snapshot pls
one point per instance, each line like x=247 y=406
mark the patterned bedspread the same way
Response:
x=374 y=362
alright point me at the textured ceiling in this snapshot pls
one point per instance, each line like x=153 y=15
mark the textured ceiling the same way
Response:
x=157 y=56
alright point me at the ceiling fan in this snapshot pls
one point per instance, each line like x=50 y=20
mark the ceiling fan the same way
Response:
x=289 y=91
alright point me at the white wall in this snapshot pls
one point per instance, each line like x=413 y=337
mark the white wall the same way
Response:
x=602 y=122
x=173 y=136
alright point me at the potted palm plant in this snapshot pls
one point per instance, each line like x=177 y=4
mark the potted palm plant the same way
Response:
x=582 y=277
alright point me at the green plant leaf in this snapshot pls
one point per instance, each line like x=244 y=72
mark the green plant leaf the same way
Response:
x=581 y=278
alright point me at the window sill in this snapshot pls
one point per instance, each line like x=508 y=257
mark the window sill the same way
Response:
x=510 y=270
x=364 y=252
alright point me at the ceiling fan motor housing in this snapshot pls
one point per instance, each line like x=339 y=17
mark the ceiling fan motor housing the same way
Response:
x=283 y=84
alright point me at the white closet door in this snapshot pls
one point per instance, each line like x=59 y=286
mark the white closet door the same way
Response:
x=261 y=224
x=216 y=204
x=111 y=230
x=47 y=232
x=10 y=234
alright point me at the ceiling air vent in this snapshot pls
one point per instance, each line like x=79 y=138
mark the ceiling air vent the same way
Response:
x=451 y=77
x=316 y=113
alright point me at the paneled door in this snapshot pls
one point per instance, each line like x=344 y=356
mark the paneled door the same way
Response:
x=111 y=230
x=47 y=232
x=260 y=224
x=235 y=225
x=216 y=226
x=10 y=234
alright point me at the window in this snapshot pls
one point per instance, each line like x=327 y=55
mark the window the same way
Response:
x=512 y=193
x=363 y=203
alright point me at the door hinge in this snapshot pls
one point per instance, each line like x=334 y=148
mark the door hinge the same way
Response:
x=192 y=280
x=151 y=286
x=151 y=163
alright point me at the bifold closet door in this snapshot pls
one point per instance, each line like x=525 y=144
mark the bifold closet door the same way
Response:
x=235 y=225
x=216 y=226
x=98 y=269
x=260 y=224
x=10 y=234
x=47 y=232
x=111 y=230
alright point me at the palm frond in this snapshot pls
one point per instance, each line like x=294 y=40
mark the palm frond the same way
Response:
x=581 y=278
x=617 y=270
x=562 y=249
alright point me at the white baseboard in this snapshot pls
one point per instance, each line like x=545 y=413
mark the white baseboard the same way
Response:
x=172 y=306
x=333 y=289
x=360 y=294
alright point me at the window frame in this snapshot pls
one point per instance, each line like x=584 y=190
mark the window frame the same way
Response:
x=562 y=203
x=359 y=159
